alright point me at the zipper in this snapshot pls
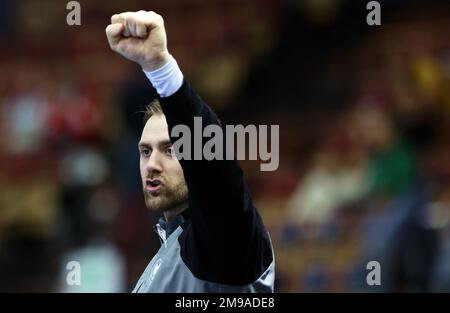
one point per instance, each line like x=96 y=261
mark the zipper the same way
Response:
x=162 y=235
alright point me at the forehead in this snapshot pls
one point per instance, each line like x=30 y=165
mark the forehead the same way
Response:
x=155 y=130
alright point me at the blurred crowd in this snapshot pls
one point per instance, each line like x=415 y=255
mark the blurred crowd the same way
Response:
x=364 y=118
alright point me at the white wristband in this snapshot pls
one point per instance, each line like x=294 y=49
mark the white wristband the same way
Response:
x=167 y=79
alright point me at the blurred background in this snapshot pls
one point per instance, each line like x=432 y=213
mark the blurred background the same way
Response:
x=363 y=111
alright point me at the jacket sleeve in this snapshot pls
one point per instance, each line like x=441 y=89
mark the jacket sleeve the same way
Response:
x=226 y=241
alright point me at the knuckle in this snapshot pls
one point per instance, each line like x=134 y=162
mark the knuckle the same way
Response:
x=125 y=16
x=159 y=18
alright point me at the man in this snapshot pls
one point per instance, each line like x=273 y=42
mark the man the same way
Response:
x=212 y=237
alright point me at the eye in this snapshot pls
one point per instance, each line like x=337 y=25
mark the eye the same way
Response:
x=169 y=151
x=145 y=152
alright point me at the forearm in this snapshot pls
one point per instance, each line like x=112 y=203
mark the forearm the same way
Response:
x=181 y=105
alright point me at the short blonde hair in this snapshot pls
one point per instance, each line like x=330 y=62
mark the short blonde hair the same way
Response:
x=153 y=108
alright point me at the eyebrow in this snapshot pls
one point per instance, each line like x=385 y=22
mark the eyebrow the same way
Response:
x=163 y=143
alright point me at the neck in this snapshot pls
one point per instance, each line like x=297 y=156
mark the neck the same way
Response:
x=169 y=215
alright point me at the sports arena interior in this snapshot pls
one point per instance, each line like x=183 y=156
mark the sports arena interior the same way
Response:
x=364 y=112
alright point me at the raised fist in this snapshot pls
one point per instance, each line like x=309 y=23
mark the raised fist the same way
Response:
x=140 y=37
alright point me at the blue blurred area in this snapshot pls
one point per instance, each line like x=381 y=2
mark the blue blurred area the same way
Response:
x=364 y=138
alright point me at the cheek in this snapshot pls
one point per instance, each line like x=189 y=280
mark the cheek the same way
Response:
x=142 y=168
x=176 y=171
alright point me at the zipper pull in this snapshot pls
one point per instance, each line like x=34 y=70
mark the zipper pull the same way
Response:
x=162 y=234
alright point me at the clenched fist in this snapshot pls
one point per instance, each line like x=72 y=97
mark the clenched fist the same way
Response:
x=140 y=37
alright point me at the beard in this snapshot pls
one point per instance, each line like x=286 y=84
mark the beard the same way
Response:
x=169 y=197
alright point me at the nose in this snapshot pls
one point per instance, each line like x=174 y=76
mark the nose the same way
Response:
x=154 y=164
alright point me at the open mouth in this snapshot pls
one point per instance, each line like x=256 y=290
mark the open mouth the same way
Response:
x=153 y=184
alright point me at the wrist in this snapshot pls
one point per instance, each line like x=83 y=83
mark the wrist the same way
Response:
x=156 y=62
x=166 y=79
